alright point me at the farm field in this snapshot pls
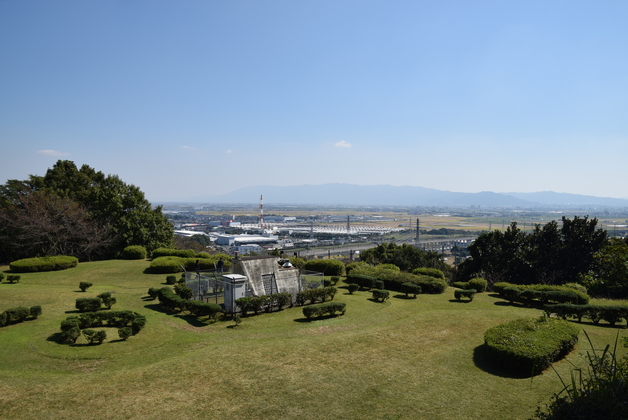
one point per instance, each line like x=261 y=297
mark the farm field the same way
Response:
x=402 y=359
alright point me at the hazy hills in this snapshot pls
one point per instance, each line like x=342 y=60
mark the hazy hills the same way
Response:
x=358 y=195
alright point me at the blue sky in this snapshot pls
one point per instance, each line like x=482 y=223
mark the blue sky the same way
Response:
x=196 y=98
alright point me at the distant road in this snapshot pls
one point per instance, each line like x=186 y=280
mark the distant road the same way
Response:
x=345 y=249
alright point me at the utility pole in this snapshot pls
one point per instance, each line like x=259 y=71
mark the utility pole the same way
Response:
x=418 y=233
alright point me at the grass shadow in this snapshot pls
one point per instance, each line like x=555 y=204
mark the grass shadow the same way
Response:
x=376 y=301
x=460 y=301
x=404 y=297
x=192 y=320
x=55 y=338
x=483 y=360
x=318 y=318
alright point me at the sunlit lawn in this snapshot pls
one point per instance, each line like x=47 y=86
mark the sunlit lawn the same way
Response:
x=403 y=359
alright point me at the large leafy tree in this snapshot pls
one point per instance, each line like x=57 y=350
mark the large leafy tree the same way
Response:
x=549 y=255
x=117 y=211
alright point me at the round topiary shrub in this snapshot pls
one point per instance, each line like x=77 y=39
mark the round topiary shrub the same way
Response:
x=134 y=252
x=479 y=284
x=526 y=347
x=431 y=272
x=353 y=287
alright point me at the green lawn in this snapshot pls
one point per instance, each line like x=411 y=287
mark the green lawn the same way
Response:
x=403 y=359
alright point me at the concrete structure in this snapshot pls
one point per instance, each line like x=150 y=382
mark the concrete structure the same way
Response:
x=266 y=276
x=234 y=240
x=235 y=288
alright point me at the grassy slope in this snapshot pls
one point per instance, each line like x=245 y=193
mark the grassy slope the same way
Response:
x=403 y=359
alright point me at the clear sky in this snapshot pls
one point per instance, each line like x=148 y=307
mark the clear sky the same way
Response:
x=195 y=98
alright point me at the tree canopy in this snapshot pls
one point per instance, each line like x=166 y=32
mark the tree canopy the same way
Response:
x=406 y=257
x=549 y=255
x=78 y=212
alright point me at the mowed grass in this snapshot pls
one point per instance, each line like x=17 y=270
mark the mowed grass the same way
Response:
x=402 y=359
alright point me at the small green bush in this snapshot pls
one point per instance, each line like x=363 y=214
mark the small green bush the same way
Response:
x=1 y=276
x=528 y=346
x=334 y=280
x=362 y=280
x=153 y=292
x=84 y=285
x=479 y=284
x=431 y=285
x=29 y=265
x=468 y=293
x=183 y=291
x=95 y=337
x=380 y=295
x=134 y=252
x=411 y=289
x=171 y=279
x=35 y=311
x=14 y=278
x=4 y=319
x=461 y=284
x=124 y=333
x=353 y=287
x=88 y=304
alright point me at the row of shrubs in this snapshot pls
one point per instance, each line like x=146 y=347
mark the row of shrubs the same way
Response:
x=392 y=280
x=315 y=295
x=324 y=309
x=173 y=264
x=572 y=293
x=611 y=314
x=478 y=284
x=71 y=327
x=94 y=303
x=328 y=267
x=528 y=346
x=19 y=314
x=268 y=303
x=168 y=299
x=31 y=265
x=11 y=278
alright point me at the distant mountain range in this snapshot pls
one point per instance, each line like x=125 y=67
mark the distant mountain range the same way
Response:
x=388 y=195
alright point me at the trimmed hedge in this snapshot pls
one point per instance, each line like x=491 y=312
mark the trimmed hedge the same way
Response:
x=134 y=252
x=357 y=264
x=173 y=252
x=528 y=346
x=431 y=285
x=363 y=280
x=353 y=287
x=173 y=264
x=88 y=304
x=168 y=299
x=569 y=294
x=380 y=295
x=324 y=309
x=327 y=267
x=314 y=295
x=19 y=314
x=32 y=265
x=431 y=272
x=612 y=314
x=468 y=293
